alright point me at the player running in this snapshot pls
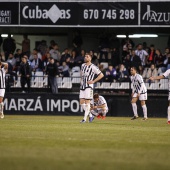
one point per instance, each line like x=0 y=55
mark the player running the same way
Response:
x=90 y=74
x=166 y=74
x=139 y=91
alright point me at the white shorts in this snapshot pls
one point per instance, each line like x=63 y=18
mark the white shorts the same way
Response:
x=2 y=92
x=142 y=96
x=96 y=112
x=86 y=94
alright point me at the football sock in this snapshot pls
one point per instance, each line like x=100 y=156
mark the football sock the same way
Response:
x=134 y=107
x=83 y=106
x=144 y=111
x=87 y=110
x=168 y=113
x=1 y=107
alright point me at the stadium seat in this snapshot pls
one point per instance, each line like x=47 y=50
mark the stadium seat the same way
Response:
x=164 y=86
x=97 y=85
x=76 y=80
x=125 y=85
x=163 y=81
x=115 y=85
x=75 y=74
x=67 y=85
x=147 y=85
x=159 y=71
x=154 y=86
x=66 y=79
x=105 y=85
x=75 y=69
x=59 y=79
x=105 y=65
x=60 y=84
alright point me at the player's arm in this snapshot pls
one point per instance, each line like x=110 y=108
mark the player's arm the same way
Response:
x=5 y=66
x=100 y=76
x=140 y=80
x=157 y=77
x=133 y=89
x=100 y=106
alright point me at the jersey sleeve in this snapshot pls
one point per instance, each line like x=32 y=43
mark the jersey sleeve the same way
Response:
x=132 y=87
x=166 y=74
x=92 y=102
x=140 y=79
x=96 y=70
x=103 y=101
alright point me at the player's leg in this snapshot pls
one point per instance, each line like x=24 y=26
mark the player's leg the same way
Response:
x=85 y=103
x=144 y=109
x=82 y=99
x=2 y=92
x=143 y=98
x=169 y=111
x=82 y=102
x=96 y=113
x=87 y=109
x=134 y=106
x=85 y=98
x=104 y=112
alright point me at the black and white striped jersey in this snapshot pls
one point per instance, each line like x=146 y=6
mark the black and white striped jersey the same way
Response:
x=142 y=54
x=167 y=74
x=138 y=85
x=88 y=73
x=2 y=78
x=100 y=102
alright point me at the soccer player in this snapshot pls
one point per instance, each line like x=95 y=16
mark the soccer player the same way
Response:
x=90 y=74
x=3 y=70
x=166 y=74
x=99 y=106
x=139 y=91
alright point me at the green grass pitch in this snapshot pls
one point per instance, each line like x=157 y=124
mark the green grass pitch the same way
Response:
x=62 y=143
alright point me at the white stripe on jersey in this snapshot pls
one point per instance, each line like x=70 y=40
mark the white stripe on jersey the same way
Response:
x=2 y=78
x=87 y=74
x=167 y=74
x=100 y=102
x=138 y=85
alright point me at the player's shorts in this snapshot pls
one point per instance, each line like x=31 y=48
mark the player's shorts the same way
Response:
x=2 y=92
x=143 y=96
x=86 y=94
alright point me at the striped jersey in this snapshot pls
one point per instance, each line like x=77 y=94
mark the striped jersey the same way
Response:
x=142 y=54
x=138 y=85
x=100 y=102
x=167 y=74
x=87 y=74
x=2 y=78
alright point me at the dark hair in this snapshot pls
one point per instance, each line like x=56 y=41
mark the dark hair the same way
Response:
x=18 y=50
x=51 y=58
x=134 y=68
x=96 y=95
x=88 y=54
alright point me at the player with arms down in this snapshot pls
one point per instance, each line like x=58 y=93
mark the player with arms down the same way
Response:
x=139 y=91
